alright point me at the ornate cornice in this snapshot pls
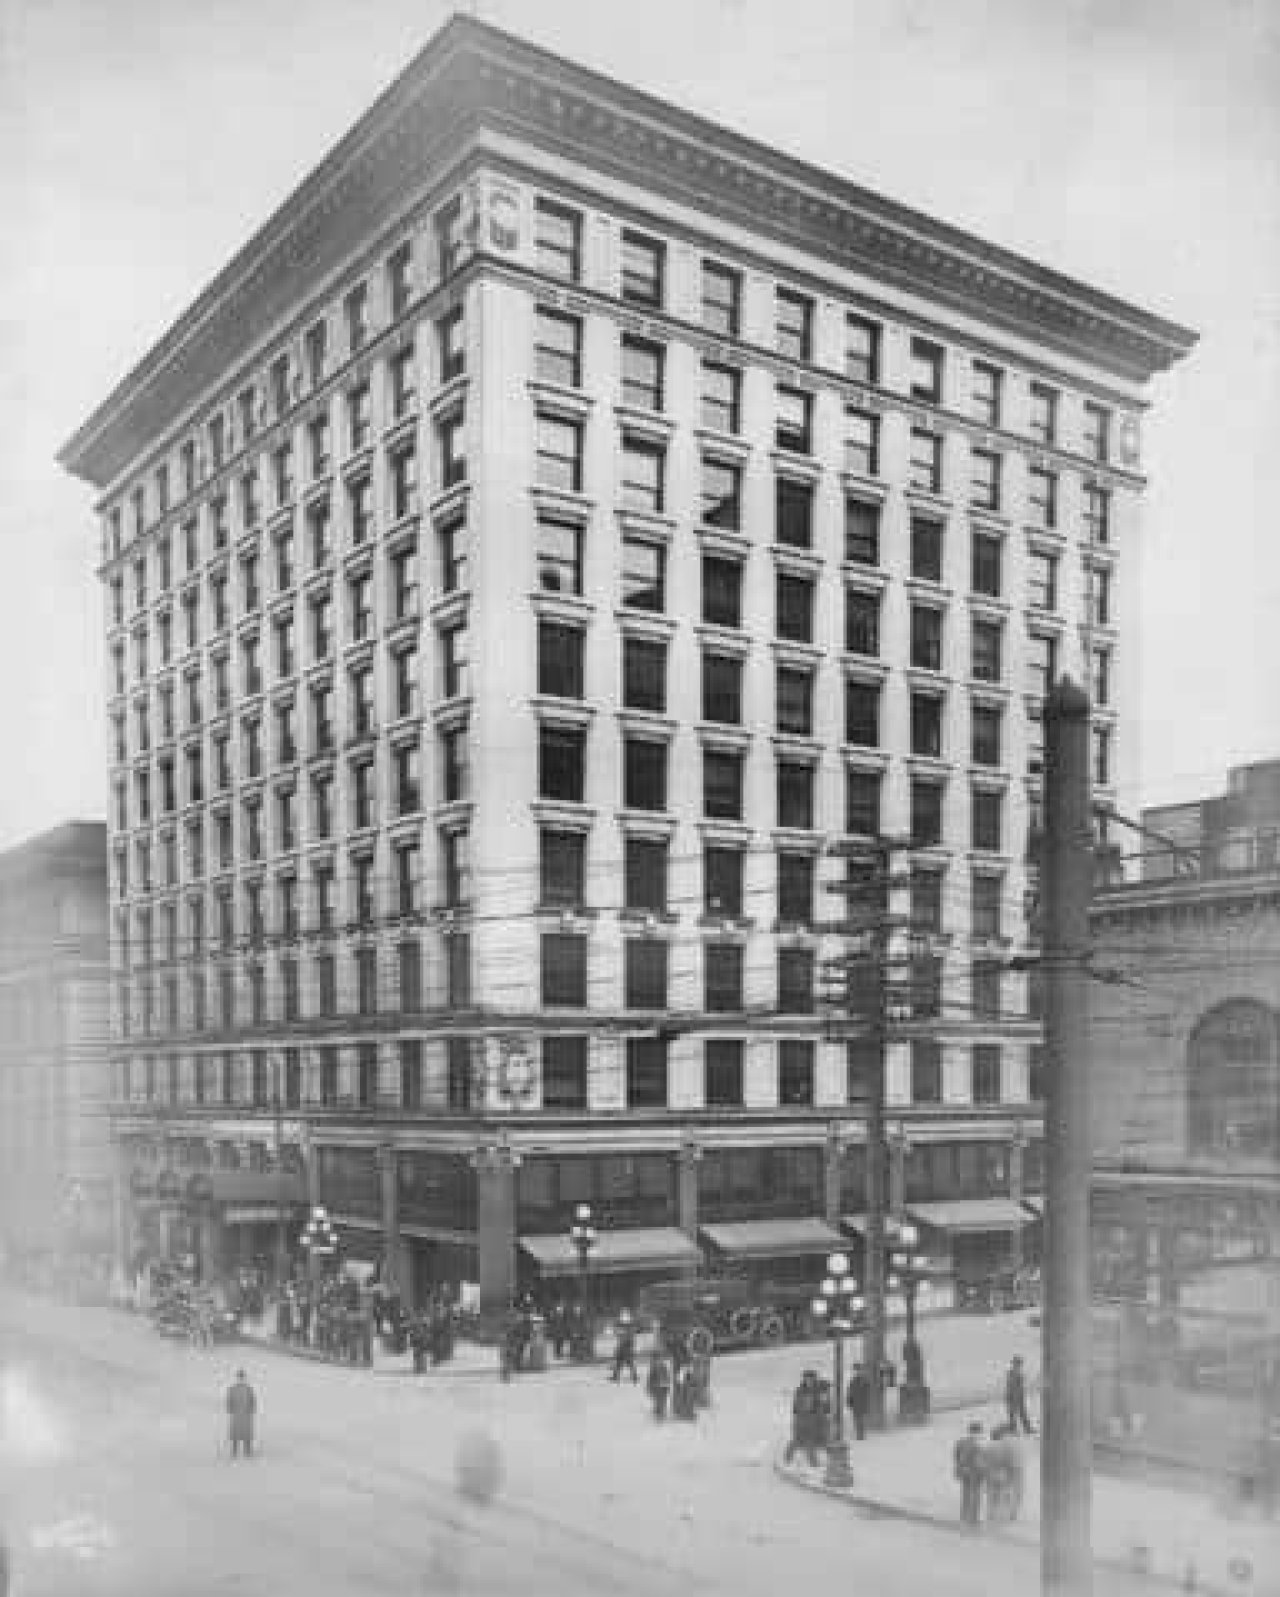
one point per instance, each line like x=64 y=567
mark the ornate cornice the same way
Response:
x=471 y=78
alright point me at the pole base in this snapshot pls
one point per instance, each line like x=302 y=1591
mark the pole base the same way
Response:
x=838 y=1473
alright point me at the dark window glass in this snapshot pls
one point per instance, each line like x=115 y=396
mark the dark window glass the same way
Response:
x=862 y=713
x=926 y=813
x=722 y=784
x=564 y=1072
x=926 y=1070
x=645 y=966
x=926 y=725
x=794 y=603
x=795 y=981
x=560 y=660
x=862 y=803
x=644 y=674
x=645 y=884
x=722 y=881
x=723 y=977
x=794 y=512
x=562 y=757
x=563 y=867
x=861 y=622
x=721 y=689
x=644 y=774
x=861 y=532
x=721 y=591
x=646 y=1073
x=564 y=969
x=795 y=1073
x=723 y=1064
x=986 y=1073
x=926 y=548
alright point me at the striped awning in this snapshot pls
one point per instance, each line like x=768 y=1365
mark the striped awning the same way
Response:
x=639 y=1248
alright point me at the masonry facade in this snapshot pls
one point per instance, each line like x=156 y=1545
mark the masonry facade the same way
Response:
x=557 y=533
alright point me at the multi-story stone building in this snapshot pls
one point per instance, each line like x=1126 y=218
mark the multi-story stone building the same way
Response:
x=55 y=1155
x=560 y=527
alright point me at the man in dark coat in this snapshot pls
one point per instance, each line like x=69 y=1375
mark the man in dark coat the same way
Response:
x=859 y=1398
x=1015 y=1397
x=242 y=1406
x=658 y=1383
x=806 y=1419
x=970 y=1467
x=624 y=1349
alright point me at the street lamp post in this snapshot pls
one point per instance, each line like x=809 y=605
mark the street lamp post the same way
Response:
x=839 y=1302
x=908 y=1268
x=319 y=1239
x=582 y=1233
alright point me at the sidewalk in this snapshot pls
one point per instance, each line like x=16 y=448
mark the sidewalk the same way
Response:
x=1174 y=1537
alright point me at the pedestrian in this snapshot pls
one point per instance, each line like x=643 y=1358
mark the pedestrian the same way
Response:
x=969 y=1460
x=1005 y=1475
x=242 y=1406
x=558 y=1326
x=859 y=1399
x=1015 y=1397
x=805 y=1419
x=826 y=1413
x=624 y=1348
x=684 y=1397
x=658 y=1383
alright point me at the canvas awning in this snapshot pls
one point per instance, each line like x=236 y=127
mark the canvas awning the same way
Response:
x=970 y=1215
x=763 y=1239
x=640 y=1248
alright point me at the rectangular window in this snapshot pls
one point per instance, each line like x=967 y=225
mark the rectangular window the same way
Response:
x=985 y=734
x=984 y=489
x=862 y=713
x=367 y=981
x=558 y=447
x=1042 y=664
x=645 y=973
x=794 y=701
x=795 y=888
x=453 y=662
x=926 y=371
x=410 y=1073
x=400 y=279
x=646 y=1073
x=451 y=241
x=721 y=397
x=564 y=1073
x=1097 y=432
x=721 y=299
x=457 y=774
x=1098 y=595
x=862 y=532
x=1042 y=496
x=985 y=1072
x=564 y=969
x=985 y=895
x=926 y=725
x=722 y=689
x=562 y=753
x=722 y=785
x=643 y=267
x=403 y=465
x=451 y=346
x=558 y=241
x=795 y=1073
x=721 y=494
x=723 y=1067
x=926 y=900
x=642 y=373
x=644 y=569
x=862 y=349
x=1100 y=681
x=721 y=591
x=793 y=512
x=986 y=640
x=355 y=313
x=561 y=651
x=455 y=868
x=795 y=981
x=861 y=443
x=359 y=418
x=794 y=325
x=926 y=548
x=645 y=875
x=1097 y=514
x=1101 y=756
x=986 y=557
x=644 y=675
x=926 y=461
x=793 y=427
x=642 y=475
x=403 y=382
x=926 y=813
x=926 y=638
x=1042 y=579
x=988 y=382
x=862 y=803
x=407 y=778
x=723 y=969
x=986 y=815
x=985 y=990
x=722 y=875
x=926 y=1070
x=1044 y=414
x=557 y=353
x=644 y=774
x=795 y=791
x=861 y=622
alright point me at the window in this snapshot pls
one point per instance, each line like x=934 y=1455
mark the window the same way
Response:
x=985 y=990
x=795 y=888
x=457 y=947
x=926 y=1070
x=721 y=299
x=315 y=345
x=451 y=238
x=793 y=509
x=644 y=570
x=644 y=774
x=926 y=638
x=560 y=660
x=558 y=446
x=323 y=896
x=795 y=788
x=643 y=471
x=455 y=868
x=643 y=265
x=985 y=734
x=986 y=641
x=985 y=895
x=861 y=443
x=403 y=464
x=404 y=682
x=721 y=785
x=793 y=429
x=862 y=532
x=984 y=490
x=318 y=533
x=1097 y=432
x=355 y=313
x=794 y=700
x=451 y=345
x=562 y=757
x=453 y=662
x=364 y=896
x=861 y=622
x=410 y=1072
x=862 y=349
x=723 y=1066
x=644 y=674
x=926 y=548
x=1097 y=514
x=986 y=394
x=723 y=972
x=1042 y=496
x=645 y=875
x=986 y=557
x=646 y=1073
x=282 y=468
x=644 y=973
x=403 y=382
x=400 y=280
x=642 y=373
x=558 y=241
x=926 y=900
x=367 y=981
x=862 y=713
x=406 y=874
x=926 y=812
x=453 y=748
x=795 y=981
x=986 y=815
x=1044 y=414
x=564 y=1073
x=250 y=499
x=925 y=380
x=1042 y=579
x=1098 y=595
x=564 y=969
x=360 y=604
x=722 y=881
x=363 y=793
x=1101 y=756
x=926 y=725
x=721 y=494
x=794 y=325
x=557 y=350
x=926 y=461
x=360 y=500
x=721 y=397
x=321 y=609
x=985 y=1072
x=559 y=555
x=721 y=591
x=722 y=689
x=359 y=418
x=408 y=782
x=1042 y=664
x=1100 y=682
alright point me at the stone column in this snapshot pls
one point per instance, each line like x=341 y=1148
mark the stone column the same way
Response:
x=689 y=1157
x=1016 y=1147
x=395 y=1273
x=495 y=1165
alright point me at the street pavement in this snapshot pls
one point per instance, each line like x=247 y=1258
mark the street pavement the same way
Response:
x=114 y=1478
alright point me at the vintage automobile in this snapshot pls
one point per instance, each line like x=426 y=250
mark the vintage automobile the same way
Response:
x=191 y=1314
x=711 y=1313
x=1000 y=1289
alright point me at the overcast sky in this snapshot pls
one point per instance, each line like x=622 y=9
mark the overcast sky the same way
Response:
x=1130 y=142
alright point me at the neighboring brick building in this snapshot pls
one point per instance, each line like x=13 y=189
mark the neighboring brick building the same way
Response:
x=55 y=1160
x=563 y=523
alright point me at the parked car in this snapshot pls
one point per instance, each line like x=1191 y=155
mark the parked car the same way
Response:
x=194 y=1315
x=712 y=1313
x=1001 y=1289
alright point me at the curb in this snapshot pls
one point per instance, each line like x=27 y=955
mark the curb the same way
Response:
x=488 y=1373
x=879 y=1508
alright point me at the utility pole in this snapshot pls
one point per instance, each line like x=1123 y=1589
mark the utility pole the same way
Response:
x=1066 y=1556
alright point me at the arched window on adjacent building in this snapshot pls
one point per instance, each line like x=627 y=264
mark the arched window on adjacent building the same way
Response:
x=1233 y=1082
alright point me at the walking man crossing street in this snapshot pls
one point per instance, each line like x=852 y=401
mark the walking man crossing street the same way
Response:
x=1015 y=1397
